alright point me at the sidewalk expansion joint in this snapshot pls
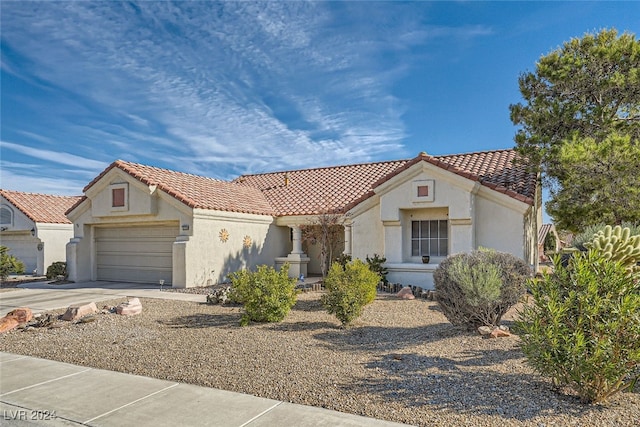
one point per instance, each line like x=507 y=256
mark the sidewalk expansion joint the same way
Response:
x=260 y=414
x=45 y=382
x=131 y=403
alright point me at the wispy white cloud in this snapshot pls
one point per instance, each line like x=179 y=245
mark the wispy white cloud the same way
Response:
x=33 y=178
x=213 y=85
x=54 y=156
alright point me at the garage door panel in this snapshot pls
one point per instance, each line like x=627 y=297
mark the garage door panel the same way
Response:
x=135 y=254
x=134 y=259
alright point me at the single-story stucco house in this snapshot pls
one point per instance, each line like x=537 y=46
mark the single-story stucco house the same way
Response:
x=34 y=227
x=146 y=224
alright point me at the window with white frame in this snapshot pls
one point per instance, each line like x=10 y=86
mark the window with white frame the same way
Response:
x=6 y=216
x=430 y=237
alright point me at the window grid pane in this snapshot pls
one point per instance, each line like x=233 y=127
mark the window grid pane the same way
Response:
x=429 y=237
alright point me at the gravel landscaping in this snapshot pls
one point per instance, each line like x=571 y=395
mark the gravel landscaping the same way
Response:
x=402 y=361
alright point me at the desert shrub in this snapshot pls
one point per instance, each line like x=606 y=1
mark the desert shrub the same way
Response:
x=549 y=244
x=477 y=288
x=267 y=294
x=58 y=268
x=589 y=233
x=9 y=264
x=375 y=265
x=618 y=244
x=349 y=289
x=582 y=326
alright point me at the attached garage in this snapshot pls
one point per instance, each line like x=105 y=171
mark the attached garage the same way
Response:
x=138 y=253
x=24 y=247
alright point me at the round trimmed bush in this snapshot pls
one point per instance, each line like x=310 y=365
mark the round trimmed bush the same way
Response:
x=477 y=288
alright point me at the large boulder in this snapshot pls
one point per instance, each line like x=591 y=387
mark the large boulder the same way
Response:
x=15 y=318
x=406 y=293
x=129 y=308
x=75 y=312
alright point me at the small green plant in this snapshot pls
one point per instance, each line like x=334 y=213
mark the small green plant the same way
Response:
x=549 y=244
x=589 y=233
x=349 y=289
x=617 y=244
x=583 y=326
x=268 y=295
x=58 y=268
x=376 y=265
x=477 y=288
x=9 y=264
x=343 y=259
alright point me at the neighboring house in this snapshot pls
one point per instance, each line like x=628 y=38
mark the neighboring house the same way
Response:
x=34 y=227
x=141 y=223
x=547 y=232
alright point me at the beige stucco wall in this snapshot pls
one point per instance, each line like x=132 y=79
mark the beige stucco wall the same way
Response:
x=200 y=257
x=477 y=215
x=54 y=238
x=210 y=260
x=367 y=232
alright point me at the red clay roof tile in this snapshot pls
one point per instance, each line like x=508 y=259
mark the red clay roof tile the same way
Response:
x=340 y=188
x=327 y=189
x=43 y=208
x=195 y=191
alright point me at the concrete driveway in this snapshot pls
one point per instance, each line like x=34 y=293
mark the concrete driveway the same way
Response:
x=43 y=296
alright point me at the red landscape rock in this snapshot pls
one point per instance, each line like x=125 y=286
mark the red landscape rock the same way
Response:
x=22 y=314
x=130 y=308
x=75 y=312
x=8 y=323
x=14 y=318
x=497 y=333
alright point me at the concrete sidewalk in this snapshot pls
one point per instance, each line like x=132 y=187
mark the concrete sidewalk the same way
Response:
x=39 y=392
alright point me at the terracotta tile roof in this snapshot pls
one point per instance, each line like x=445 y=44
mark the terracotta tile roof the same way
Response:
x=340 y=188
x=327 y=189
x=312 y=191
x=195 y=191
x=43 y=208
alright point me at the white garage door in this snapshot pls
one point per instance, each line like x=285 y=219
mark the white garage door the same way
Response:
x=135 y=254
x=24 y=247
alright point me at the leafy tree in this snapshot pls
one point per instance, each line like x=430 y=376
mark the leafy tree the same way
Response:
x=588 y=88
x=600 y=183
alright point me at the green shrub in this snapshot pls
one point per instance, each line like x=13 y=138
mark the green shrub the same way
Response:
x=583 y=326
x=9 y=264
x=343 y=259
x=267 y=294
x=375 y=265
x=618 y=244
x=349 y=289
x=56 y=269
x=477 y=288
x=589 y=233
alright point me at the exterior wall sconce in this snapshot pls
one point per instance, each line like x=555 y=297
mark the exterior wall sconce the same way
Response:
x=185 y=227
x=33 y=232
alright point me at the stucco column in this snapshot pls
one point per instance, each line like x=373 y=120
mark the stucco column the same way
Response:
x=297 y=240
x=72 y=260
x=347 y=239
x=297 y=259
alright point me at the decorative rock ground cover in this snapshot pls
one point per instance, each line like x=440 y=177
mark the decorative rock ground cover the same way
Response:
x=401 y=361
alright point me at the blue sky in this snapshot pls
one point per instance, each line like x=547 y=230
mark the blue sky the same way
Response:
x=222 y=89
